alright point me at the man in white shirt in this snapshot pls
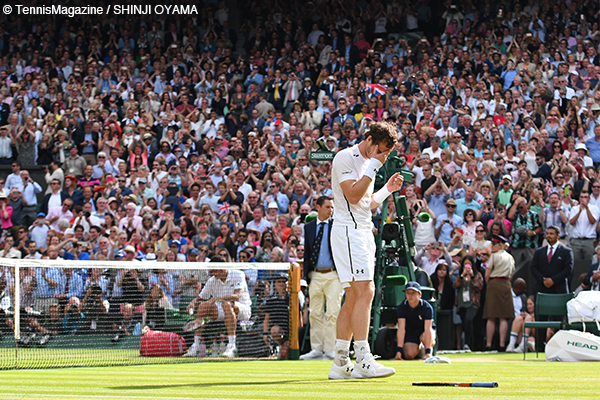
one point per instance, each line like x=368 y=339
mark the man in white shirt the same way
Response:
x=584 y=220
x=210 y=197
x=224 y=297
x=53 y=171
x=14 y=180
x=434 y=152
x=131 y=220
x=258 y=223
x=30 y=191
x=210 y=127
x=445 y=131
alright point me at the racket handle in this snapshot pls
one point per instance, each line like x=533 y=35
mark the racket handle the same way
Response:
x=485 y=384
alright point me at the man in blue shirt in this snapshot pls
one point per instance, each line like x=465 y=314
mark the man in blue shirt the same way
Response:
x=324 y=287
x=593 y=146
x=446 y=222
x=48 y=283
x=467 y=202
x=437 y=195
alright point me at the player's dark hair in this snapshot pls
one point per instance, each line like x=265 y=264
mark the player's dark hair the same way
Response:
x=383 y=132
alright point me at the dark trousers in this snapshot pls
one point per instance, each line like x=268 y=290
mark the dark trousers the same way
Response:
x=467 y=315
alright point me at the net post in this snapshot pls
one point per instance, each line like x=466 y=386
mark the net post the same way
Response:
x=17 y=304
x=294 y=285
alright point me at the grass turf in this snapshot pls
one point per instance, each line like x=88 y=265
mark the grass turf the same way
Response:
x=307 y=380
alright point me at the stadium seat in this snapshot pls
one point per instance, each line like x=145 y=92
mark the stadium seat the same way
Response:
x=548 y=305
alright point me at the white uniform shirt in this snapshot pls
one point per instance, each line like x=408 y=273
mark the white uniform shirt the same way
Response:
x=349 y=164
x=217 y=288
x=583 y=229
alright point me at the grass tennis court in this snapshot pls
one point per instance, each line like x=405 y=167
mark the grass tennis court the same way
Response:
x=307 y=380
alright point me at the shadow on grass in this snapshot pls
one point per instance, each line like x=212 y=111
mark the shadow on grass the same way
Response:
x=237 y=384
x=212 y=384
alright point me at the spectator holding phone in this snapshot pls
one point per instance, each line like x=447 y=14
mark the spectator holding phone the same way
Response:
x=436 y=254
x=446 y=222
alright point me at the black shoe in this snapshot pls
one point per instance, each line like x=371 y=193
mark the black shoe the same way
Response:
x=487 y=348
x=502 y=349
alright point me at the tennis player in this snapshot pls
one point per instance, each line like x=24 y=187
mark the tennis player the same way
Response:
x=353 y=244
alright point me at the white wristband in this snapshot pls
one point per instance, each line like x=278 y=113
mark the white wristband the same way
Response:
x=373 y=167
x=381 y=195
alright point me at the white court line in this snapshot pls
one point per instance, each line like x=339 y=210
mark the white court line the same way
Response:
x=80 y=396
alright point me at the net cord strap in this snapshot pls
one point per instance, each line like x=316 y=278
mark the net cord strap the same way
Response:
x=137 y=264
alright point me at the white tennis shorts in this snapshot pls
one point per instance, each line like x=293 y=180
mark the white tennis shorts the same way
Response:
x=353 y=253
x=243 y=315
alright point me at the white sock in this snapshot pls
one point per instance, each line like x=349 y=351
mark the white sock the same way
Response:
x=197 y=340
x=342 y=348
x=361 y=348
x=513 y=338
x=231 y=340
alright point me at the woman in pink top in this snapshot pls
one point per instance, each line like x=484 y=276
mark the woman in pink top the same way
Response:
x=5 y=212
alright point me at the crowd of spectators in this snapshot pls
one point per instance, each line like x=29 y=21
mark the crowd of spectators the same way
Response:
x=182 y=137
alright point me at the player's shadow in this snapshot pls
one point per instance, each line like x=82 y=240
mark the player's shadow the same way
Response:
x=200 y=385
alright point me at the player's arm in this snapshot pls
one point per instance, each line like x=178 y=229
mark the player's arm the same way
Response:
x=393 y=184
x=237 y=293
x=355 y=189
x=400 y=337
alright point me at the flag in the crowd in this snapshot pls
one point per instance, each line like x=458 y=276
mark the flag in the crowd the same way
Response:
x=224 y=208
x=375 y=89
x=549 y=186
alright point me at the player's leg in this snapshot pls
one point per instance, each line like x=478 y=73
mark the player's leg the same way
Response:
x=230 y=317
x=342 y=367
x=363 y=268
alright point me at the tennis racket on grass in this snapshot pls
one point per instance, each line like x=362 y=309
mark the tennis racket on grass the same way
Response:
x=456 y=384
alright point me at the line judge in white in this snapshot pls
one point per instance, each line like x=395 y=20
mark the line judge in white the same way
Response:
x=353 y=245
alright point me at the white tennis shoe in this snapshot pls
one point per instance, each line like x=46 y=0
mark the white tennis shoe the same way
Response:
x=193 y=351
x=338 y=372
x=369 y=368
x=230 y=351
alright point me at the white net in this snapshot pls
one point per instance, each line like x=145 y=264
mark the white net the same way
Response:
x=57 y=313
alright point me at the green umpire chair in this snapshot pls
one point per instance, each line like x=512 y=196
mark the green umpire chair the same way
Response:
x=548 y=305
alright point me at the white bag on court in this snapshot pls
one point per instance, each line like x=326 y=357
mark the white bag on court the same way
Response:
x=585 y=307
x=573 y=346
